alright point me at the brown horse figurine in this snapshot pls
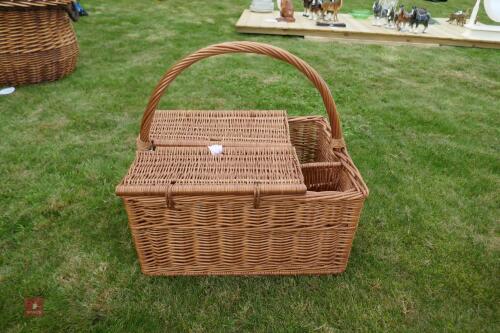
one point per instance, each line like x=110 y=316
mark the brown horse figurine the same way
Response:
x=459 y=17
x=286 y=11
x=401 y=18
x=331 y=9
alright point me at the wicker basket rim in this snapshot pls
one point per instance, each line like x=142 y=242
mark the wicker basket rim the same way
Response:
x=32 y=3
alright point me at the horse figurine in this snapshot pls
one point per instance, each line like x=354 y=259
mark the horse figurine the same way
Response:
x=391 y=18
x=286 y=11
x=331 y=9
x=419 y=16
x=307 y=5
x=315 y=9
x=401 y=18
x=377 y=11
x=382 y=9
x=459 y=17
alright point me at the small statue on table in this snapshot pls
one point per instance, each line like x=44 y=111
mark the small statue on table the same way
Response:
x=286 y=11
x=460 y=17
x=330 y=9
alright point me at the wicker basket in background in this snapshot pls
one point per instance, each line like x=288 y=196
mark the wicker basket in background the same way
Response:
x=37 y=41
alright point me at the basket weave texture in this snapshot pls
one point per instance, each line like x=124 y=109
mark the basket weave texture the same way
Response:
x=233 y=128
x=37 y=41
x=196 y=171
x=281 y=208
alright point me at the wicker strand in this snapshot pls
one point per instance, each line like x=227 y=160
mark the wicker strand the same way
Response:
x=141 y=145
x=338 y=143
x=256 y=201
x=169 y=197
x=240 y=47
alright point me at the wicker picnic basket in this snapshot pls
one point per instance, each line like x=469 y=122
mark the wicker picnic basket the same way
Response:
x=283 y=198
x=37 y=41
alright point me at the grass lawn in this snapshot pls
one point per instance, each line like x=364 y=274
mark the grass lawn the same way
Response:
x=422 y=125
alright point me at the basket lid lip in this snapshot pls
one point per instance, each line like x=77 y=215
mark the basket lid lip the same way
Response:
x=32 y=3
x=195 y=171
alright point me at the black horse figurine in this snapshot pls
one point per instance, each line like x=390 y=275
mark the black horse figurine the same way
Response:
x=419 y=16
x=391 y=17
x=377 y=10
x=307 y=4
x=384 y=9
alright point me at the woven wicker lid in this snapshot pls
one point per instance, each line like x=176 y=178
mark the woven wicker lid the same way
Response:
x=231 y=128
x=32 y=3
x=194 y=170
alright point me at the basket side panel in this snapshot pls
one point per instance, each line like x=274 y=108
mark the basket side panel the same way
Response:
x=38 y=67
x=324 y=168
x=304 y=137
x=311 y=234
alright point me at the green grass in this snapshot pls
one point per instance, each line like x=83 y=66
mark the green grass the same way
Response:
x=422 y=125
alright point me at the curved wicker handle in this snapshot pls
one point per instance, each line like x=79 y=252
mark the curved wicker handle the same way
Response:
x=242 y=47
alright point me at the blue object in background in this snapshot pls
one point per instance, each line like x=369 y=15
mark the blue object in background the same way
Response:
x=79 y=9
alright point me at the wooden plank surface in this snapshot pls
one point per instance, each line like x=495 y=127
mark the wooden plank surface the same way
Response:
x=441 y=32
